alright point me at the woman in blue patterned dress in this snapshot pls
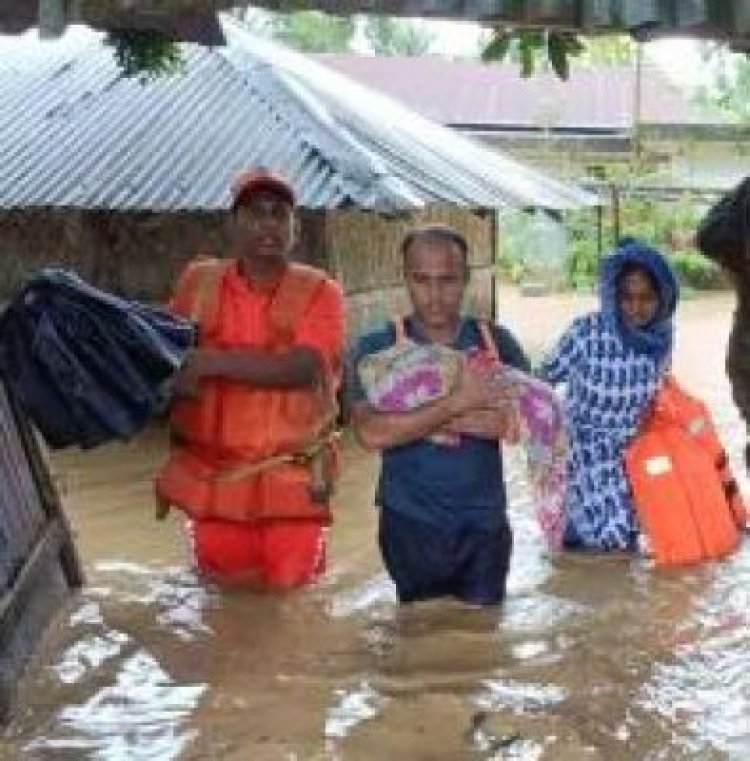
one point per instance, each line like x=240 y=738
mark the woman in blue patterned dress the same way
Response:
x=612 y=361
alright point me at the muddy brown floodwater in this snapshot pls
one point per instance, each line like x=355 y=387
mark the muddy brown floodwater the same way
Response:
x=591 y=657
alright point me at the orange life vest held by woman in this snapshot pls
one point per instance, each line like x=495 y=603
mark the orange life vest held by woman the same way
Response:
x=686 y=497
x=246 y=453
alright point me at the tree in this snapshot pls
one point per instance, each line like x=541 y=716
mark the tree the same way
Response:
x=532 y=49
x=609 y=50
x=729 y=90
x=392 y=36
x=531 y=46
x=255 y=20
x=313 y=32
x=145 y=54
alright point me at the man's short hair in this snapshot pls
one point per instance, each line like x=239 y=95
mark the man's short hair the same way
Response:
x=441 y=233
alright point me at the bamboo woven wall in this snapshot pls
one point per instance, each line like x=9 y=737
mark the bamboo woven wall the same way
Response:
x=138 y=255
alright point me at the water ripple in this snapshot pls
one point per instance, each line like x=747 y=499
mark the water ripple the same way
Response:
x=141 y=717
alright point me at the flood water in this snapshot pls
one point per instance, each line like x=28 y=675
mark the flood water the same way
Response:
x=592 y=657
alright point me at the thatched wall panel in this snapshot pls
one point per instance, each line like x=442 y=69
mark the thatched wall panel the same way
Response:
x=138 y=255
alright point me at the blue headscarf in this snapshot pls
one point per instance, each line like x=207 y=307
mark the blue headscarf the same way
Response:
x=656 y=338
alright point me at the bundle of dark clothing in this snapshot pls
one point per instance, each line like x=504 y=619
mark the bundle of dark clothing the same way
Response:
x=88 y=366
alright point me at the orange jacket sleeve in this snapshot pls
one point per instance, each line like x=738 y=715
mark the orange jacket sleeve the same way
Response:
x=323 y=327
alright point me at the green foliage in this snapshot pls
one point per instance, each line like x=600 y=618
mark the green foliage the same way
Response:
x=729 y=91
x=307 y=31
x=393 y=36
x=314 y=32
x=145 y=54
x=530 y=46
x=497 y=47
x=517 y=272
x=656 y=222
x=513 y=226
x=695 y=271
x=519 y=252
x=608 y=50
x=582 y=264
x=255 y=20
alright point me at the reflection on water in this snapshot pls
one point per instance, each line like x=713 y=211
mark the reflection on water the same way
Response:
x=354 y=707
x=706 y=686
x=141 y=716
x=88 y=654
x=107 y=695
x=175 y=597
x=592 y=657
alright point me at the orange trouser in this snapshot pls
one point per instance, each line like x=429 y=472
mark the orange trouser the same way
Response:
x=274 y=554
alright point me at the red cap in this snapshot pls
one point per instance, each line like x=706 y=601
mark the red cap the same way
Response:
x=252 y=180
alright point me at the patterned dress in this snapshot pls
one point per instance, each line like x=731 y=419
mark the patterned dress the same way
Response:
x=608 y=387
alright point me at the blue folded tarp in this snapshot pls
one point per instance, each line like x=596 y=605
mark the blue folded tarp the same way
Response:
x=88 y=366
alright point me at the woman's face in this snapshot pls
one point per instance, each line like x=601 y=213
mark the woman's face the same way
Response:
x=639 y=301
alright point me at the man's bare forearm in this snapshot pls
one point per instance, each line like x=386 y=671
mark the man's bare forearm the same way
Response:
x=383 y=430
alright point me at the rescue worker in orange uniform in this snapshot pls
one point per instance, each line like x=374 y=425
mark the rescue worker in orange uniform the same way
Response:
x=253 y=455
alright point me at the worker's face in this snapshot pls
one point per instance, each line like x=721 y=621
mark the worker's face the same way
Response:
x=436 y=277
x=263 y=226
x=639 y=301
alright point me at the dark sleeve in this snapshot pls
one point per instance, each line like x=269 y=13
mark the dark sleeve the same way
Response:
x=365 y=345
x=510 y=350
x=353 y=384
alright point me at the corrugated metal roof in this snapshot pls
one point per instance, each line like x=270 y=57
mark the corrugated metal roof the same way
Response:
x=75 y=133
x=496 y=96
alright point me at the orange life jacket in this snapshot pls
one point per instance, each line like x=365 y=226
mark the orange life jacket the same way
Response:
x=683 y=490
x=246 y=453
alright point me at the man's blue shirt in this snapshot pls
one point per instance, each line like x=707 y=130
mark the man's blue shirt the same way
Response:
x=451 y=486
